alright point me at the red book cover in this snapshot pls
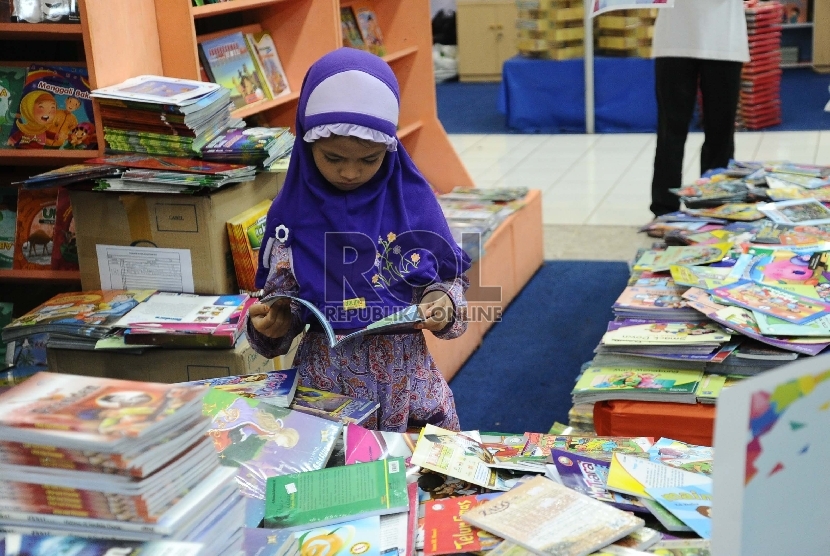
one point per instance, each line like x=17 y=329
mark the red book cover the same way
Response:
x=33 y=243
x=446 y=533
x=64 y=247
x=168 y=163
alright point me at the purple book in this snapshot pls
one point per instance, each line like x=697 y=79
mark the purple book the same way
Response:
x=264 y=440
x=590 y=476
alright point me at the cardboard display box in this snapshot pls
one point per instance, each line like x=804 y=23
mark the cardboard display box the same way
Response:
x=194 y=222
x=162 y=365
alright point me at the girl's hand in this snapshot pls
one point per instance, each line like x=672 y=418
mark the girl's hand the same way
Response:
x=273 y=321
x=437 y=308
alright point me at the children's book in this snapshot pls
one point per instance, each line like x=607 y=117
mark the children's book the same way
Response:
x=356 y=537
x=182 y=309
x=446 y=533
x=351 y=32
x=595 y=447
x=710 y=388
x=272 y=387
x=5 y=318
x=644 y=332
x=8 y=225
x=689 y=457
x=457 y=454
x=609 y=383
x=667 y=519
x=548 y=518
x=90 y=313
x=12 y=80
x=34 y=230
x=367 y=22
x=773 y=301
x=262 y=46
x=64 y=247
x=363 y=445
x=633 y=476
x=263 y=440
x=157 y=90
x=691 y=504
x=55 y=111
x=741 y=320
x=706 y=277
x=689 y=255
x=91 y=412
x=333 y=406
x=590 y=476
x=798 y=211
x=233 y=66
x=30 y=545
x=245 y=231
x=259 y=541
x=402 y=321
x=336 y=494
x=744 y=212
x=639 y=540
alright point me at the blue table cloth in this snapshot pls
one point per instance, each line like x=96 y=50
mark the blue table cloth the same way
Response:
x=548 y=96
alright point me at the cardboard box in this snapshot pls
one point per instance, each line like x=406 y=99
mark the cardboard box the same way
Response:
x=162 y=365
x=194 y=222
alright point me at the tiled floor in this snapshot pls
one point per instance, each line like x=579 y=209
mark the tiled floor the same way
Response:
x=605 y=179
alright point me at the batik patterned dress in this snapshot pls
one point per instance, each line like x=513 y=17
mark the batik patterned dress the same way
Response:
x=395 y=370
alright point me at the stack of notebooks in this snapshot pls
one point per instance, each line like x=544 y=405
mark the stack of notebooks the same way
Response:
x=96 y=457
x=162 y=115
x=760 y=97
x=258 y=146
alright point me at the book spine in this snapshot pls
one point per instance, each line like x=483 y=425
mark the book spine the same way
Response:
x=56 y=458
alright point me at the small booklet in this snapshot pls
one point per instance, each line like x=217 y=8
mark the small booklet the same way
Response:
x=157 y=89
x=400 y=322
x=797 y=211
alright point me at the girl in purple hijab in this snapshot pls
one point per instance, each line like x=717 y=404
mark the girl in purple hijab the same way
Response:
x=357 y=231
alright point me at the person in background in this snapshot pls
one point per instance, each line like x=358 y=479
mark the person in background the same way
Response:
x=696 y=43
x=357 y=230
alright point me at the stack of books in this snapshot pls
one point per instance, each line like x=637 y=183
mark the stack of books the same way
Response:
x=75 y=320
x=760 y=102
x=258 y=146
x=114 y=459
x=161 y=115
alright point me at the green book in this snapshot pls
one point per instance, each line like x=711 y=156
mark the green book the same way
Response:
x=336 y=494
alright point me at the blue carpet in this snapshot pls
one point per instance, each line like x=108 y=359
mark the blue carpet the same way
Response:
x=521 y=377
x=471 y=107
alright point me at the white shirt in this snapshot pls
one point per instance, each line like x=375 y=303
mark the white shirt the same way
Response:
x=706 y=29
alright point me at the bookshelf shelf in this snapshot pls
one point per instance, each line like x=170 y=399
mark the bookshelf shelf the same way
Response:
x=229 y=7
x=40 y=275
x=264 y=105
x=808 y=25
x=41 y=31
x=43 y=157
x=410 y=129
x=398 y=54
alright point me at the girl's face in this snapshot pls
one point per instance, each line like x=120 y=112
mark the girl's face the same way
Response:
x=347 y=162
x=45 y=111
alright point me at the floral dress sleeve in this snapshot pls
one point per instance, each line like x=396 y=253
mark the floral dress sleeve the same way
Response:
x=281 y=279
x=455 y=290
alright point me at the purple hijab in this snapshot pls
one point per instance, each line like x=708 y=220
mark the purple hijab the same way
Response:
x=370 y=246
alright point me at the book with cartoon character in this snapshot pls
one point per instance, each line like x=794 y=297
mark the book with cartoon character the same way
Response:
x=12 y=79
x=263 y=440
x=268 y=60
x=233 y=66
x=610 y=383
x=55 y=110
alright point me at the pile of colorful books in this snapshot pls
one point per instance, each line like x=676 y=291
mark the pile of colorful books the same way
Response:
x=96 y=457
x=258 y=146
x=161 y=115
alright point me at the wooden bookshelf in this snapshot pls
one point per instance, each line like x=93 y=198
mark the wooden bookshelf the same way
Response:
x=304 y=30
x=55 y=276
x=41 y=31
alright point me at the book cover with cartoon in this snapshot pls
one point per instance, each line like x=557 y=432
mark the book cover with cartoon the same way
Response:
x=55 y=110
x=12 y=80
x=233 y=67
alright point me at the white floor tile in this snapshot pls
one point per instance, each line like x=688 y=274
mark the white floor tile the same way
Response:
x=606 y=179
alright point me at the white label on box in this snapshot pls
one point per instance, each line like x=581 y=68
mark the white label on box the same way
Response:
x=145 y=268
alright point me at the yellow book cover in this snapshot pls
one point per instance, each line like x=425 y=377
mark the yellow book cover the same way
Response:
x=245 y=232
x=633 y=475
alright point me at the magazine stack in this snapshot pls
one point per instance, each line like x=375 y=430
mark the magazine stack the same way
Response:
x=113 y=459
x=258 y=146
x=161 y=115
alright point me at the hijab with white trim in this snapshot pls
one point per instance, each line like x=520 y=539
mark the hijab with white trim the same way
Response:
x=368 y=248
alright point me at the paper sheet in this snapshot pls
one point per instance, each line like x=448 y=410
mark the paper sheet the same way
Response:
x=157 y=268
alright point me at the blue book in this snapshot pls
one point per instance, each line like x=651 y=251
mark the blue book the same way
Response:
x=590 y=477
x=690 y=504
x=274 y=387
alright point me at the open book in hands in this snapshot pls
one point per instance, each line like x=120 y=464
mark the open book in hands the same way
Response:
x=403 y=321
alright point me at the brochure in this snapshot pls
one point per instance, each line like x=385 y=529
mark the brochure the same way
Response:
x=157 y=89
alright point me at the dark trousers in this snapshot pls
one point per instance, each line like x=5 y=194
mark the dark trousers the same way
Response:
x=676 y=84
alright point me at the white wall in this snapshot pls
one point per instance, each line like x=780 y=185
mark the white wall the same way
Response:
x=437 y=5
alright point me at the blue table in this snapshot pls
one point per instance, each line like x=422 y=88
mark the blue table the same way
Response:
x=548 y=96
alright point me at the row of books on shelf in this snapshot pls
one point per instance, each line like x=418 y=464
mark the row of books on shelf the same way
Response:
x=739 y=285
x=46 y=107
x=223 y=466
